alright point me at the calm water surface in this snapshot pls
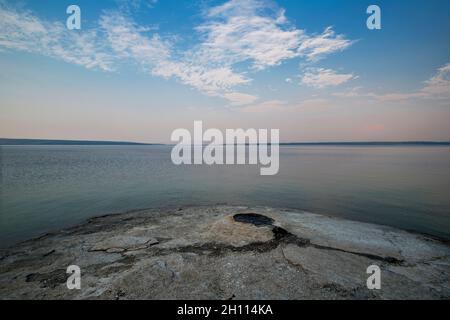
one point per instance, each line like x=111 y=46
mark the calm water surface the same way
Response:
x=45 y=188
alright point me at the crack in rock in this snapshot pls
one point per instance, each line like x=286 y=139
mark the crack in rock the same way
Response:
x=119 y=249
x=390 y=260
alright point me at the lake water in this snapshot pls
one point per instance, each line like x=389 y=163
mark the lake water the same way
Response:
x=45 y=188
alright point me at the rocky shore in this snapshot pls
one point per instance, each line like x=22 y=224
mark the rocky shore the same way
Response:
x=226 y=252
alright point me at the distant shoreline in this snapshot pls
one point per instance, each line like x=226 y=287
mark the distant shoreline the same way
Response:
x=370 y=143
x=36 y=142
x=48 y=142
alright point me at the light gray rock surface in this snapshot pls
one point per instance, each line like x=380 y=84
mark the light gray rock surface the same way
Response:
x=204 y=253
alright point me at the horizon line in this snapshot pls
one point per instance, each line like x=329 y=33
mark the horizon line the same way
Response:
x=21 y=141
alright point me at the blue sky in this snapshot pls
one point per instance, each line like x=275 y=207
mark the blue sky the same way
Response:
x=139 y=69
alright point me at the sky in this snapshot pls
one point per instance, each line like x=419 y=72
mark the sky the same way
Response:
x=139 y=69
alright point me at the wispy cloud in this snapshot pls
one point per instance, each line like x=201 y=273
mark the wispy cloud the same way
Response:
x=439 y=84
x=349 y=93
x=134 y=5
x=437 y=87
x=116 y=39
x=155 y=56
x=247 y=30
x=316 y=47
x=25 y=32
x=211 y=81
x=321 y=78
x=257 y=31
x=239 y=99
x=237 y=31
x=126 y=40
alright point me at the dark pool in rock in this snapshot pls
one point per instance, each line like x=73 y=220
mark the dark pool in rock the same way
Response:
x=253 y=218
